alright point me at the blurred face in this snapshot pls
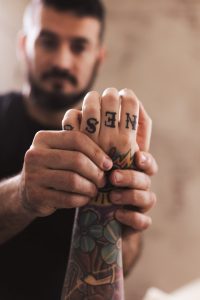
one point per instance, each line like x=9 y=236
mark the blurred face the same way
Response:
x=62 y=53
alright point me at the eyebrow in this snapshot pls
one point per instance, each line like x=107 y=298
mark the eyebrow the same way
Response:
x=77 y=39
x=48 y=33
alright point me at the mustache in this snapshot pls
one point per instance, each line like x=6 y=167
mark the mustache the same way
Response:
x=60 y=74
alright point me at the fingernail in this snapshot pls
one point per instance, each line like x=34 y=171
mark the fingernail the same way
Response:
x=107 y=165
x=147 y=221
x=143 y=158
x=118 y=177
x=116 y=197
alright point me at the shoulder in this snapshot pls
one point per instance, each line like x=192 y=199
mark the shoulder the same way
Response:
x=9 y=101
x=6 y=99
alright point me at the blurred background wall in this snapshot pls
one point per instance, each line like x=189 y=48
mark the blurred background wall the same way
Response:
x=153 y=48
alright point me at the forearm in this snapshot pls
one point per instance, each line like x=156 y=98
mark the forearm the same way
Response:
x=96 y=255
x=13 y=216
x=131 y=250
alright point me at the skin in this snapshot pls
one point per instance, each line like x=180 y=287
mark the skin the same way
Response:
x=111 y=120
x=49 y=180
x=60 y=40
x=138 y=184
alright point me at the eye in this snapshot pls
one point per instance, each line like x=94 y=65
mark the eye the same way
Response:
x=48 y=43
x=78 y=47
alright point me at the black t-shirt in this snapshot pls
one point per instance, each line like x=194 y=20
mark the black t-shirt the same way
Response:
x=33 y=263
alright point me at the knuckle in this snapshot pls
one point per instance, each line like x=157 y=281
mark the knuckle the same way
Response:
x=39 y=136
x=74 y=201
x=147 y=181
x=71 y=117
x=134 y=197
x=133 y=178
x=140 y=223
x=69 y=113
x=30 y=156
x=80 y=159
x=92 y=94
x=111 y=94
x=89 y=100
x=111 y=91
x=73 y=181
x=101 y=181
x=130 y=96
x=131 y=220
x=98 y=153
x=147 y=200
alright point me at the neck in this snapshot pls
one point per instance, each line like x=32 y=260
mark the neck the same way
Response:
x=41 y=115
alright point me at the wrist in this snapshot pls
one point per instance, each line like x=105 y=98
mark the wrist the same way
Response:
x=21 y=205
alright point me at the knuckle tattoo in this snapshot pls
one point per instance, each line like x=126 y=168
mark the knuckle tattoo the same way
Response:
x=91 y=126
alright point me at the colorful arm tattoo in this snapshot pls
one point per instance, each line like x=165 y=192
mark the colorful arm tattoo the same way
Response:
x=95 y=268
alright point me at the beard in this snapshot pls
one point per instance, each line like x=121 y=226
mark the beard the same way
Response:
x=56 y=100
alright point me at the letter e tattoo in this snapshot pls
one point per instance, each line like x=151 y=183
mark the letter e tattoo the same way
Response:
x=111 y=119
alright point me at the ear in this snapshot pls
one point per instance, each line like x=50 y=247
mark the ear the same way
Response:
x=21 y=45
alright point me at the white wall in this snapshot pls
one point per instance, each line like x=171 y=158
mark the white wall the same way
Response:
x=10 y=22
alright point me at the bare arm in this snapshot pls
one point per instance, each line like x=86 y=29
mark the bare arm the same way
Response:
x=13 y=216
x=61 y=170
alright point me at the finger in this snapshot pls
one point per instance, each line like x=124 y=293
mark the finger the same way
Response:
x=143 y=200
x=73 y=141
x=131 y=179
x=129 y=115
x=68 y=160
x=110 y=104
x=71 y=120
x=91 y=114
x=135 y=220
x=67 y=181
x=144 y=129
x=46 y=201
x=146 y=163
x=61 y=199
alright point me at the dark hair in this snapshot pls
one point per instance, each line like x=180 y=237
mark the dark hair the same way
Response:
x=81 y=8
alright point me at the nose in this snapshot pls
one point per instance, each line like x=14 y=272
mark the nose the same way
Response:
x=63 y=58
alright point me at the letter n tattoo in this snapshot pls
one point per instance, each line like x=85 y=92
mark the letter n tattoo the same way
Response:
x=132 y=121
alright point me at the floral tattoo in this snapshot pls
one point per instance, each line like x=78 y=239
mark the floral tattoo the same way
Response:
x=95 y=268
